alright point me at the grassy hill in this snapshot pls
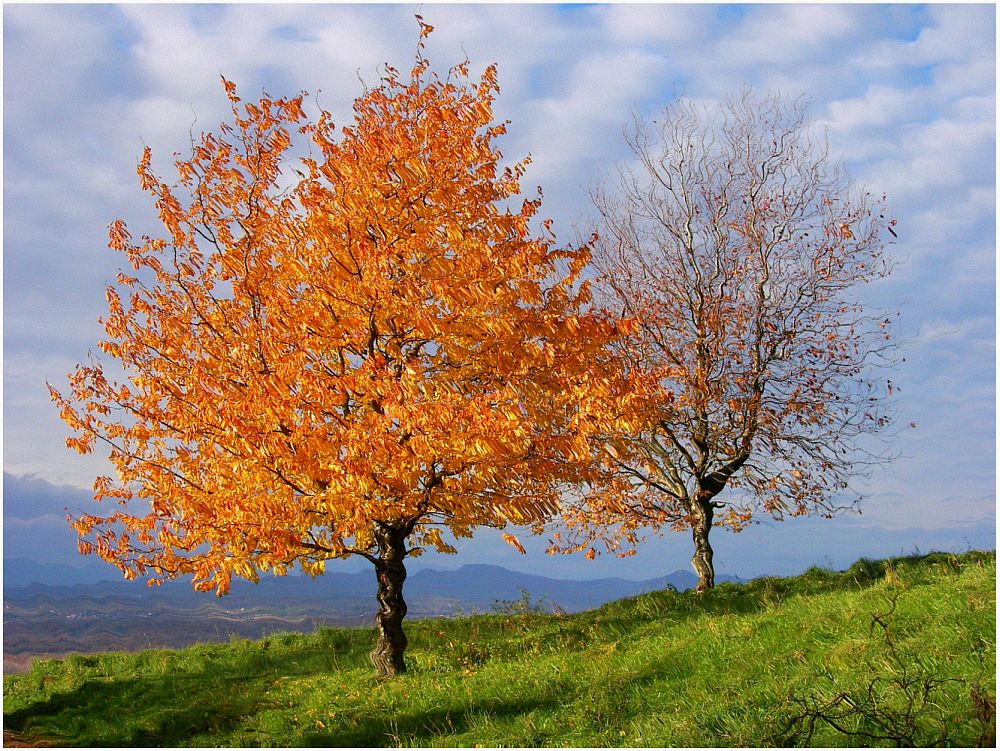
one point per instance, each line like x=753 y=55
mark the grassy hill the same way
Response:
x=886 y=653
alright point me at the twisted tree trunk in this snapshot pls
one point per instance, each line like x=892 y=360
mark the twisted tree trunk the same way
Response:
x=702 y=512
x=391 y=573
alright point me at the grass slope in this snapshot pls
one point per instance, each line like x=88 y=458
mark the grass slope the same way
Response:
x=664 y=669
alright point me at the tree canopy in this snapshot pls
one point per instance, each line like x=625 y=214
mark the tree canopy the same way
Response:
x=340 y=354
x=738 y=249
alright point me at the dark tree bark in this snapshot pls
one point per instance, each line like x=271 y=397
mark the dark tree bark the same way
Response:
x=702 y=513
x=391 y=573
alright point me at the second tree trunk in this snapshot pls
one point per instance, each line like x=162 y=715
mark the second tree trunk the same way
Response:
x=702 y=514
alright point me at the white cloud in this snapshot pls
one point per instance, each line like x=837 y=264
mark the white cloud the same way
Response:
x=879 y=107
x=166 y=123
x=931 y=331
x=907 y=511
x=953 y=32
x=936 y=159
x=675 y=24
x=788 y=34
x=907 y=91
x=48 y=520
x=957 y=34
x=42 y=35
x=34 y=436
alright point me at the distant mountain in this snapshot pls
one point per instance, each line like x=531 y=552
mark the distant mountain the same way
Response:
x=30 y=496
x=474 y=586
x=119 y=615
x=20 y=572
x=481 y=585
x=478 y=585
x=57 y=602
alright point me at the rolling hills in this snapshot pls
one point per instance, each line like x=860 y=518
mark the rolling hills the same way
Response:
x=53 y=620
x=890 y=653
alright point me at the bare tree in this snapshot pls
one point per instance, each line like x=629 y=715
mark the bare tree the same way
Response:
x=738 y=248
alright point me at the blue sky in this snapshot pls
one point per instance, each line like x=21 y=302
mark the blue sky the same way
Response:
x=906 y=93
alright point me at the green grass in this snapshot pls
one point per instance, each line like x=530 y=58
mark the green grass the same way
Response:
x=664 y=669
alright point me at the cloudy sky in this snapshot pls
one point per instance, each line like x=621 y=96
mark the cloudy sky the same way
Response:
x=907 y=93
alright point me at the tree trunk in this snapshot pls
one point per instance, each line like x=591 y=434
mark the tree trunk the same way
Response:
x=390 y=571
x=702 y=512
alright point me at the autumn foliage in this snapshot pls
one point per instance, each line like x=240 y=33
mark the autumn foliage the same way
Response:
x=345 y=353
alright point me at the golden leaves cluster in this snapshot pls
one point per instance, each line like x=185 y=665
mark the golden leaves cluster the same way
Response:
x=367 y=334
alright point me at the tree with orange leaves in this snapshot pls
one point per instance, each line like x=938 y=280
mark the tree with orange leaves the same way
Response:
x=340 y=355
x=739 y=251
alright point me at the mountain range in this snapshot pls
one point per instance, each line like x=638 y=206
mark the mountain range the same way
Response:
x=86 y=616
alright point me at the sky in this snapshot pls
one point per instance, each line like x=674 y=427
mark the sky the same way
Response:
x=906 y=94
